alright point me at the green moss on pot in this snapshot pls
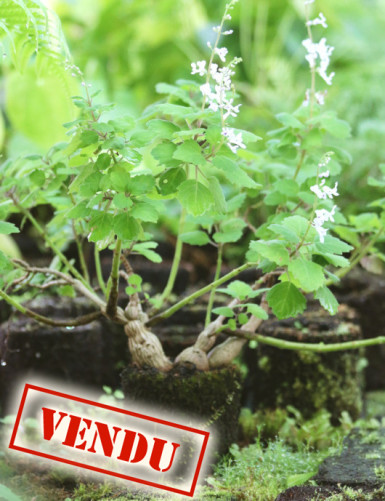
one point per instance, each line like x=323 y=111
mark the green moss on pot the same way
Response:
x=212 y=397
x=309 y=381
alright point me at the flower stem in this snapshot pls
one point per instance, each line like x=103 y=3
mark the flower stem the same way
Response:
x=175 y=263
x=213 y=291
x=99 y=274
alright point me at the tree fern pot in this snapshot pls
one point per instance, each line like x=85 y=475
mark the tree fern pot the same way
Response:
x=212 y=398
x=92 y=354
x=307 y=380
x=365 y=292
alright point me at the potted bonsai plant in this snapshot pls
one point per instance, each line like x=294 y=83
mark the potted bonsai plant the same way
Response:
x=108 y=185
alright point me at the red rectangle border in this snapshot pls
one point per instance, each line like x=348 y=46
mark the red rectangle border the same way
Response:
x=28 y=387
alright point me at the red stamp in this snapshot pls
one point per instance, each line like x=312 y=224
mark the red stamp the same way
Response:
x=109 y=440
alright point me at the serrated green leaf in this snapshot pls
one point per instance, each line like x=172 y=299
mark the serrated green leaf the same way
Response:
x=121 y=201
x=332 y=245
x=126 y=227
x=257 y=311
x=308 y=274
x=144 y=211
x=170 y=180
x=190 y=152
x=195 y=238
x=224 y=310
x=286 y=300
x=234 y=173
x=103 y=161
x=146 y=250
x=87 y=138
x=8 y=228
x=163 y=153
x=287 y=233
x=162 y=128
x=327 y=300
x=37 y=177
x=195 y=197
x=238 y=289
x=289 y=120
x=274 y=250
x=230 y=231
x=100 y=224
x=217 y=193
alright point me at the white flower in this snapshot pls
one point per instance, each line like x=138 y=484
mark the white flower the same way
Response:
x=234 y=141
x=321 y=19
x=323 y=191
x=323 y=216
x=308 y=2
x=228 y=32
x=221 y=53
x=322 y=52
x=199 y=67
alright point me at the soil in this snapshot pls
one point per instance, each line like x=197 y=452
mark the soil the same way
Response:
x=213 y=396
x=308 y=381
x=92 y=354
x=365 y=292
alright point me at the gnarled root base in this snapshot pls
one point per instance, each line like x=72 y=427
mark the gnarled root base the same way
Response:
x=145 y=347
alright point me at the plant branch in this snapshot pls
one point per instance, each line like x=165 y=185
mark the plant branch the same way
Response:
x=113 y=282
x=99 y=274
x=313 y=347
x=175 y=263
x=213 y=291
x=170 y=311
x=83 y=320
x=50 y=244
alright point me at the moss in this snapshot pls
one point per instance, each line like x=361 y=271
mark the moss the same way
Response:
x=213 y=397
x=309 y=381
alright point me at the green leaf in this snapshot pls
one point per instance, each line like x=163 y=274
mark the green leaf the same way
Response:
x=289 y=121
x=238 y=289
x=145 y=249
x=37 y=177
x=162 y=128
x=234 y=173
x=286 y=300
x=287 y=233
x=230 y=231
x=163 y=153
x=274 y=250
x=103 y=161
x=190 y=152
x=216 y=191
x=141 y=184
x=332 y=245
x=5 y=263
x=87 y=138
x=101 y=225
x=145 y=212
x=327 y=300
x=90 y=185
x=170 y=180
x=287 y=186
x=195 y=238
x=224 y=310
x=126 y=227
x=329 y=121
x=8 y=228
x=309 y=275
x=195 y=197
x=257 y=311
x=121 y=201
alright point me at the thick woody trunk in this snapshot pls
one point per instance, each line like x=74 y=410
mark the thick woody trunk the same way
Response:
x=145 y=347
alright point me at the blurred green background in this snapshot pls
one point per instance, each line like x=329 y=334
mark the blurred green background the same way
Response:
x=124 y=47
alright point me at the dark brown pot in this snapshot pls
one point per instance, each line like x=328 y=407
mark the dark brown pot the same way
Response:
x=306 y=380
x=92 y=354
x=213 y=397
x=365 y=292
